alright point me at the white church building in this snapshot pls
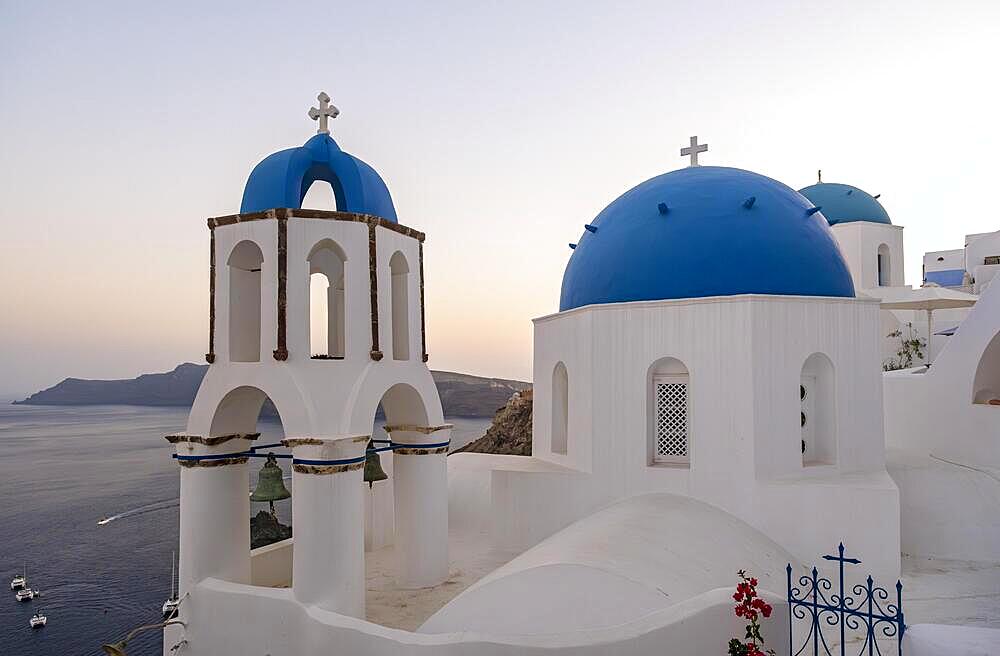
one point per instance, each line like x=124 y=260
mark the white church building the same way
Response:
x=708 y=398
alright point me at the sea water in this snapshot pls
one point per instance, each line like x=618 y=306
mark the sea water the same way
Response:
x=64 y=469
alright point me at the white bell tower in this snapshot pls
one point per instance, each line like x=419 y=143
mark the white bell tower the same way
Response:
x=375 y=356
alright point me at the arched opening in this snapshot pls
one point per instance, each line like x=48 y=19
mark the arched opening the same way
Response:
x=327 y=303
x=560 y=409
x=668 y=412
x=319 y=196
x=817 y=416
x=401 y=405
x=986 y=384
x=884 y=266
x=249 y=410
x=400 y=273
x=245 y=263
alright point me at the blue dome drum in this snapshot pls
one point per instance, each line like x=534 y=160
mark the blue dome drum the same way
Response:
x=705 y=231
x=843 y=203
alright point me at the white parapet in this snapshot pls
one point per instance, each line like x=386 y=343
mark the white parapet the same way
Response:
x=328 y=564
x=420 y=474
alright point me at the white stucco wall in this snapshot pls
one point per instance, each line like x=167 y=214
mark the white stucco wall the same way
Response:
x=946 y=449
x=744 y=355
x=327 y=399
x=318 y=397
x=980 y=246
x=628 y=560
x=271 y=565
x=859 y=242
x=701 y=626
x=934 y=411
x=944 y=640
x=944 y=260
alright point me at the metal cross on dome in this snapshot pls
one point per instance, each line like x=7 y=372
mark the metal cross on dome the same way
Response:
x=693 y=150
x=325 y=112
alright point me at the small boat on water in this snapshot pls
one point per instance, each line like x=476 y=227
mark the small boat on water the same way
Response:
x=38 y=620
x=170 y=605
x=19 y=581
x=27 y=594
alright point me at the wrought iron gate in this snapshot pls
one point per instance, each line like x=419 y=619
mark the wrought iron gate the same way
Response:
x=867 y=612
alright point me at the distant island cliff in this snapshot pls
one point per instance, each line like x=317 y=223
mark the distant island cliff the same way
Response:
x=462 y=395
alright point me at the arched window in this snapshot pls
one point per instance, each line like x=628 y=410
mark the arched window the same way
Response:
x=327 y=309
x=560 y=409
x=244 y=302
x=884 y=267
x=986 y=384
x=669 y=412
x=818 y=411
x=400 y=273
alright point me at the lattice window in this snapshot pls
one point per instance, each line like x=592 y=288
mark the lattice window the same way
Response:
x=670 y=396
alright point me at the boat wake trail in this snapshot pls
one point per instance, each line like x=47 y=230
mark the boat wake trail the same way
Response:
x=141 y=510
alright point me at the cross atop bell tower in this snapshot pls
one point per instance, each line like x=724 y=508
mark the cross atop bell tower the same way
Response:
x=693 y=150
x=325 y=112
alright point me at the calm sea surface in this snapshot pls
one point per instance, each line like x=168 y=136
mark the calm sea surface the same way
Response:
x=61 y=470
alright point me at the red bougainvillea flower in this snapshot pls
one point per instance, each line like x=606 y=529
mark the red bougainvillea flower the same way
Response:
x=749 y=606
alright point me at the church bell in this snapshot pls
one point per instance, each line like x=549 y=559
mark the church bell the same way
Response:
x=270 y=483
x=373 y=465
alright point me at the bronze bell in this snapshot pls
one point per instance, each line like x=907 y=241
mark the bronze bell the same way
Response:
x=373 y=465
x=270 y=483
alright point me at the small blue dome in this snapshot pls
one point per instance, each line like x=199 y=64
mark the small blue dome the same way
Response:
x=845 y=204
x=705 y=231
x=282 y=180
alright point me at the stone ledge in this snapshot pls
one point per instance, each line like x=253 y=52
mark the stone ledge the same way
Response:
x=210 y=441
x=405 y=451
x=292 y=442
x=221 y=462
x=326 y=469
x=413 y=428
x=291 y=213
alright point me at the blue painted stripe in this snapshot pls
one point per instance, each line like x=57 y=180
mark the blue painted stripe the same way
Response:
x=946 y=278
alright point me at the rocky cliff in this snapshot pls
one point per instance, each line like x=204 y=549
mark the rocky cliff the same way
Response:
x=462 y=395
x=265 y=529
x=511 y=430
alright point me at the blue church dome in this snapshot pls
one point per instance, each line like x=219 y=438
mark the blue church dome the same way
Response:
x=705 y=231
x=845 y=204
x=282 y=180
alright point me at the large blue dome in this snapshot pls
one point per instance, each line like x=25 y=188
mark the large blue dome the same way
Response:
x=705 y=231
x=282 y=180
x=845 y=204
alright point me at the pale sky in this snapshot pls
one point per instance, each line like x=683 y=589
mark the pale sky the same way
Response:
x=500 y=128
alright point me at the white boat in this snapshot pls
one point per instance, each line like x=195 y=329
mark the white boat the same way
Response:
x=27 y=594
x=19 y=581
x=37 y=620
x=170 y=605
